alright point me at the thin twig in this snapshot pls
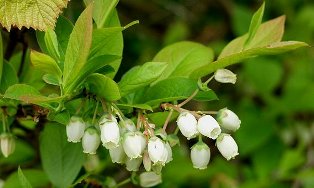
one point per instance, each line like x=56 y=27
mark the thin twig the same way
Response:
x=167 y=120
x=188 y=99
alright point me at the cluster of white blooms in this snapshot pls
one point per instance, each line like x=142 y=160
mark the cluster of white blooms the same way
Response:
x=209 y=127
x=126 y=144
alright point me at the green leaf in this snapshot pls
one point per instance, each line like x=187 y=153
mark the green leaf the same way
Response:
x=107 y=41
x=23 y=180
x=51 y=42
x=59 y=117
x=1 y=57
x=40 y=14
x=102 y=10
x=172 y=89
x=183 y=58
x=9 y=77
x=77 y=49
x=138 y=106
x=141 y=76
x=51 y=79
x=63 y=31
x=103 y=87
x=45 y=63
x=255 y=23
x=61 y=160
x=272 y=49
x=29 y=94
x=37 y=178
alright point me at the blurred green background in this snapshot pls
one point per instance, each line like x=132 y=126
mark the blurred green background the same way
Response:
x=274 y=95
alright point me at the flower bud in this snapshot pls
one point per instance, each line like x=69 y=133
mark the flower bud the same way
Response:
x=227 y=146
x=173 y=140
x=134 y=144
x=92 y=162
x=133 y=164
x=228 y=119
x=110 y=134
x=169 y=150
x=200 y=155
x=117 y=154
x=146 y=161
x=75 y=129
x=107 y=117
x=225 y=76
x=157 y=150
x=187 y=125
x=90 y=141
x=127 y=125
x=150 y=179
x=208 y=126
x=7 y=142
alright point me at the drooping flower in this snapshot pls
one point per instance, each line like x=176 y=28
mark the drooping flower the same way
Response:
x=75 y=129
x=228 y=119
x=134 y=144
x=90 y=140
x=127 y=125
x=133 y=164
x=227 y=146
x=117 y=154
x=200 y=155
x=110 y=134
x=208 y=126
x=187 y=124
x=169 y=150
x=157 y=150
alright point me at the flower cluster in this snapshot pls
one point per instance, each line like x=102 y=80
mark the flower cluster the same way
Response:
x=126 y=143
x=209 y=127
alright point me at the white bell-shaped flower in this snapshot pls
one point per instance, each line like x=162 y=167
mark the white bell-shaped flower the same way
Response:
x=150 y=179
x=75 y=129
x=110 y=134
x=169 y=150
x=200 y=155
x=208 y=126
x=134 y=144
x=7 y=142
x=133 y=164
x=227 y=146
x=157 y=150
x=90 y=140
x=228 y=119
x=117 y=154
x=225 y=76
x=187 y=124
x=127 y=125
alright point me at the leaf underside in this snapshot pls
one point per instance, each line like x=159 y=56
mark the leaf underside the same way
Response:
x=38 y=14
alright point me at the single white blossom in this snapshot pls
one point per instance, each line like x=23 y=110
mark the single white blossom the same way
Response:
x=75 y=129
x=150 y=179
x=227 y=146
x=187 y=125
x=200 y=155
x=208 y=126
x=107 y=117
x=117 y=154
x=228 y=119
x=157 y=150
x=90 y=141
x=110 y=134
x=225 y=76
x=7 y=142
x=134 y=144
x=133 y=164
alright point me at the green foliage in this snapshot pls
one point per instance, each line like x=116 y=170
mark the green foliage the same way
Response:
x=35 y=178
x=23 y=181
x=61 y=160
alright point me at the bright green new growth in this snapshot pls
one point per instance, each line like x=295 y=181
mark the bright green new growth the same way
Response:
x=39 y=14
